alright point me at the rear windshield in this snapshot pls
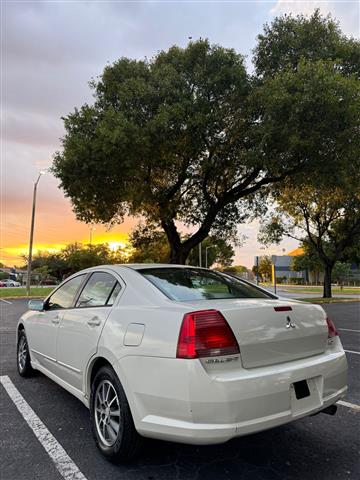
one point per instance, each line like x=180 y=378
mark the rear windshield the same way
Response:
x=184 y=284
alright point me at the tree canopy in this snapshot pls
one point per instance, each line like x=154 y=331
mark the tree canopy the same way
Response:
x=189 y=137
x=327 y=222
x=289 y=39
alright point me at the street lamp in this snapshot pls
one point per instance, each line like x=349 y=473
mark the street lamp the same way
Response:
x=28 y=278
x=92 y=229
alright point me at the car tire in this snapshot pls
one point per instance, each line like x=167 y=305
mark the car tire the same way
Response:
x=112 y=423
x=23 y=356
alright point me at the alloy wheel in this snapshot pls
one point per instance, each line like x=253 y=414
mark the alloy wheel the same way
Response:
x=107 y=413
x=22 y=353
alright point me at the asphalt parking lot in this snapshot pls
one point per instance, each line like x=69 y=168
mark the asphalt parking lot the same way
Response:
x=319 y=447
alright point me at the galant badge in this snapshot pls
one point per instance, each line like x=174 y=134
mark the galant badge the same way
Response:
x=289 y=323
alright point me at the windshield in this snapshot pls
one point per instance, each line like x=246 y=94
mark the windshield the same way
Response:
x=184 y=284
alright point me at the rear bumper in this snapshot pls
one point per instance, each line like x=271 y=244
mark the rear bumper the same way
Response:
x=207 y=434
x=179 y=400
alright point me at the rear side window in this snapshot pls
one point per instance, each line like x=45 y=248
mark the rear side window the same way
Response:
x=65 y=295
x=114 y=294
x=184 y=284
x=99 y=289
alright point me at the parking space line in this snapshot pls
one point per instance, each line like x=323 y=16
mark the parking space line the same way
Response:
x=349 y=330
x=352 y=351
x=64 y=464
x=6 y=301
x=349 y=405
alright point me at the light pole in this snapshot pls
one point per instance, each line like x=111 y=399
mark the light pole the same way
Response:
x=274 y=272
x=28 y=277
x=200 y=254
x=206 y=255
x=92 y=229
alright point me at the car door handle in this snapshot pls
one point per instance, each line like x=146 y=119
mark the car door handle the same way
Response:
x=94 y=322
x=55 y=320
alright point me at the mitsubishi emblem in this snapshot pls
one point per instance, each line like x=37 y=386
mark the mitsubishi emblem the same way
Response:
x=289 y=323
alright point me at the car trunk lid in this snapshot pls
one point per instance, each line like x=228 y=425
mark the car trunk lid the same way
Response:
x=268 y=333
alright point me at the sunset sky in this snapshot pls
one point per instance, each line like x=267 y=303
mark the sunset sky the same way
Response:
x=50 y=50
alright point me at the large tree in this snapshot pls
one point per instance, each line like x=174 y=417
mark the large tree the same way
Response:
x=150 y=245
x=189 y=137
x=289 y=39
x=328 y=222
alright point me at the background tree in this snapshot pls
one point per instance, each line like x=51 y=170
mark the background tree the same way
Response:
x=236 y=269
x=188 y=137
x=54 y=262
x=328 y=223
x=341 y=273
x=218 y=250
x=288 y=40
x=75 y=257
x=78 y=256
x=42 y=273
x=264 y=269
x=149 y=245
x=309 y=261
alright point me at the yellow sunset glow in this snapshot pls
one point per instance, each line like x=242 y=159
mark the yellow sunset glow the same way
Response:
x=14 y=255
x=115 y=245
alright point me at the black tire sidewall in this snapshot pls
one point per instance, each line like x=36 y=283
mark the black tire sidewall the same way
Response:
x=27 y=370
x=121 y=448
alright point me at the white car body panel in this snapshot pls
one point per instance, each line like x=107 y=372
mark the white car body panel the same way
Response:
x=199 y=401
x=41 y=331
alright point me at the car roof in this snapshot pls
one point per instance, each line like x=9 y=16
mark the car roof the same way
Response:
x=140 y=266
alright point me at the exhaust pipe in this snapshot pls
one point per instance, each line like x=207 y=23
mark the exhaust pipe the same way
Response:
x=330 y=410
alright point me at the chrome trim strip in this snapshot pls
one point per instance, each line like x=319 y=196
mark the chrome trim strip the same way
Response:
x=69 y=367
x=43 y=355
x=56 y=361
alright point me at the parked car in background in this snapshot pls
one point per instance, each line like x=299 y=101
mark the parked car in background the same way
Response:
x=50 y=281
x=182 y=354
x=11 y=283
x=2 y=284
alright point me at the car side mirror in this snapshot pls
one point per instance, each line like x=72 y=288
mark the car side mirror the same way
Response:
x=37 y=305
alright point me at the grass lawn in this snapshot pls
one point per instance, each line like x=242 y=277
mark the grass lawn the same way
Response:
x=9 y=292
x=328 y=300
x=344 y=291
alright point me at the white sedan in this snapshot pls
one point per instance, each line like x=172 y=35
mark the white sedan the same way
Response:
x=182 y=354
x=11 y=283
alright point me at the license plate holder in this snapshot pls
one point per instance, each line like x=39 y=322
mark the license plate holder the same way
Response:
x=306 y=395
x=301 y=389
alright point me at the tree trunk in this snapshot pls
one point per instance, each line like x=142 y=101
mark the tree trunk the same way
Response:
x=178 y=254
x=327 y=281
x=179 y=251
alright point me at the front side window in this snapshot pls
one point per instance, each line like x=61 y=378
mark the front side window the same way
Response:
x=98 y=291
x=65 y=295
x=184 y=284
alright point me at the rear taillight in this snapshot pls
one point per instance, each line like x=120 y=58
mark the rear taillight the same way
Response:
x=332 y=332
x=205 y=333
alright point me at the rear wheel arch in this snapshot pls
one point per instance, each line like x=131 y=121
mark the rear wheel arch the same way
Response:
x=94 y=366
x=20 y=327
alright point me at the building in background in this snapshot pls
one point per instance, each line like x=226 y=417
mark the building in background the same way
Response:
x=285 y=273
